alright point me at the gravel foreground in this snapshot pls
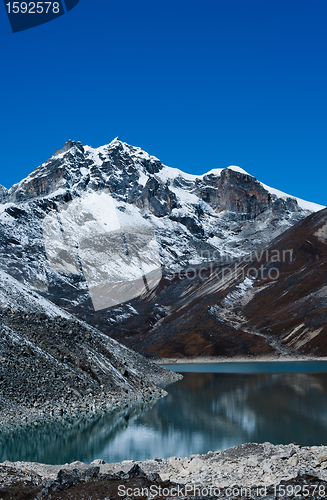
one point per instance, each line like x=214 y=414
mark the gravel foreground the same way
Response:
x=248 y=471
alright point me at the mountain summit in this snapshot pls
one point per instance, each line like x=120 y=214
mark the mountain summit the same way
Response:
x=106 y=229
x=226 y=210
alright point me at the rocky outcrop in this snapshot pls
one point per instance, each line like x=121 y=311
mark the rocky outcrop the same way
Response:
x=121 y=157
x=242 y=194
x=157 y=197
x=69 y=145
x=3 y=194
x=207 y=188
x=54 y=174
x=280 y=206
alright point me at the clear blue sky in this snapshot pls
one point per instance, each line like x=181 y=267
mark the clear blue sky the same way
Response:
x=200 y=84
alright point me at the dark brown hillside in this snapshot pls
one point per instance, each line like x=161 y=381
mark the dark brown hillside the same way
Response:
x=237 y=309
x=294 y=307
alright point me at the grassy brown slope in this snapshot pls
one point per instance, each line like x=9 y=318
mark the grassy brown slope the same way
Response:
x=190 y=317
x=294 y=307
x=295 y=302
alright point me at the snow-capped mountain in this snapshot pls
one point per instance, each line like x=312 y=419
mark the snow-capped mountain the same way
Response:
x=226 y=211
x=89 y=221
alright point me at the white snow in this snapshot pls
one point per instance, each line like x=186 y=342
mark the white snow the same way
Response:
x=240 y=290
x=84 y=171
x=170 y=173
x=305 y=205
x=143 y=178
x=114 y=254
x=3 y=207
x=58 y=192
x=217 y=171
x=131 y=216
x=20 y=297
x=94 y=153
x=238 y=169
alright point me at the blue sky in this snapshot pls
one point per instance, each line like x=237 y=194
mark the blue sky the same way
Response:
x=199 y=84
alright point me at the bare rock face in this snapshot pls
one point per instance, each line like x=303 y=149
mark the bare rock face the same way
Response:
x=158 y=198
x=242 y=194
x=121 y=158
x=69 y=144
x=235 y=192
x=52 y=175
x=3 y=194
x=207 y=187
x=279 y=206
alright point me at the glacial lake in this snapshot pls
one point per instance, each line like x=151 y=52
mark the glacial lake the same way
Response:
x=214 y=407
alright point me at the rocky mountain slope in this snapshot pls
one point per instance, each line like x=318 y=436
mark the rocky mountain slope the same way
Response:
x=109 y=234
x=52 y=363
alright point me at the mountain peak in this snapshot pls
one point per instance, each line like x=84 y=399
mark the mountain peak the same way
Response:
x=3 y=194
x=140 y=179
x=236 y=168
x=69 y=145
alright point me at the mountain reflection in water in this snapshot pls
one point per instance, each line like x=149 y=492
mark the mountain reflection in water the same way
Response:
x=202 y=412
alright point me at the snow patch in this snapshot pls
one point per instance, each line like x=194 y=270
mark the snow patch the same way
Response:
x=241 y=290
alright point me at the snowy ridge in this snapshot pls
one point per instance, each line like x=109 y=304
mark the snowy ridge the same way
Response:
x=20 y=297
x=169 y=174
x=98 y=156
x=305 y=205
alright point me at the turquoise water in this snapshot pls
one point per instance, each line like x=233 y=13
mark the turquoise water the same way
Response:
x=252 y=367
x=214 y=407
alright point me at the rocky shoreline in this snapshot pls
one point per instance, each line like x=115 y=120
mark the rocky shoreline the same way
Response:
x=14 y=418
x=246 y=471
x=237 y=359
